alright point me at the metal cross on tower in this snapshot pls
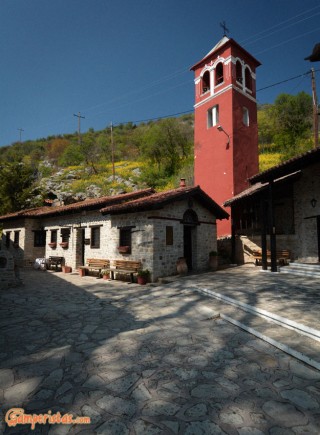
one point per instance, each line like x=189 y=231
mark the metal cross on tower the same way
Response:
x=225 y=29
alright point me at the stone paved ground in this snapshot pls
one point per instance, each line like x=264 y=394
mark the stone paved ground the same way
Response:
x=144 y=360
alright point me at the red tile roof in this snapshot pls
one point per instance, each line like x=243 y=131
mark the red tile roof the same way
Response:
x=259 y=187
x=158 y=200
x=287 y=167
x=89 y=204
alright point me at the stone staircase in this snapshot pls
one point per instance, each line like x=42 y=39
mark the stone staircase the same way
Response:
x=298 y=340
x=295 y=268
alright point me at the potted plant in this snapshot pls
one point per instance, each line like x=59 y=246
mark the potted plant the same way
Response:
x=64 y=245
x=124 y=249
x=52 y=245
x=105 y=274
x=66 y=269
x=213 y=260
x=143 y=276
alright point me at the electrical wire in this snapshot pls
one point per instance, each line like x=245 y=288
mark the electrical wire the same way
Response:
x=278 y=25
x=303 y=75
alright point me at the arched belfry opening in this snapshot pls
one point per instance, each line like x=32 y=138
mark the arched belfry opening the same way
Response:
x=206 y=82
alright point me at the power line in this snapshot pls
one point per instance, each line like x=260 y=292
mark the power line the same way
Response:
x=280 y=24
x=190 y=111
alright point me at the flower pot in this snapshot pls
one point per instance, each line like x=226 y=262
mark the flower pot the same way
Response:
x=64 y=245
x=124 y=249
x=182 y=267
x=52 y=245
x=142 y=280
x=66 y=269
x=82 y=272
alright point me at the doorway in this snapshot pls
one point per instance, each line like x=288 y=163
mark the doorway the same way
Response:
x=190 y=222
x=80 y=244
x=187 y=245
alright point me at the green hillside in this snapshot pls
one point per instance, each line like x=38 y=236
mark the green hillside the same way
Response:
x=155 y=154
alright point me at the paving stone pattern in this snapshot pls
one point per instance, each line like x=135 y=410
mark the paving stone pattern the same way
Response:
x=144 y=360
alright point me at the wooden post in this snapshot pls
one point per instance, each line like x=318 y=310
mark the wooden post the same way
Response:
x=263 y=210
x=272 y=230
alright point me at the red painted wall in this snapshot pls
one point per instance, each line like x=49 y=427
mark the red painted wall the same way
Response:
x=221 y=170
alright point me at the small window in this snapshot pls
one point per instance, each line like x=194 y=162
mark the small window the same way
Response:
x=239 y=72
x=219 y=74
x=213 y=116
x=16 y=237
x=8 y=239
x=95 y=237
x=248 y=79
x=245 y=116
x=169 y=235
x=206 y=82
x=54 y=236
x=39 y=238
x=125 y=237
x=65 y=234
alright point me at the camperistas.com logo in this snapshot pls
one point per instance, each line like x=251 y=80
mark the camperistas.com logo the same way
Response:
x=17 y=416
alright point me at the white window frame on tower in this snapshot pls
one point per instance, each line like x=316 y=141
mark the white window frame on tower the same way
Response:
x=245 y=116
x=213 y=116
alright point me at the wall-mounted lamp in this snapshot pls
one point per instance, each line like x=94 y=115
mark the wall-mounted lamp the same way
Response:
x=313 y=202
x=220 y=128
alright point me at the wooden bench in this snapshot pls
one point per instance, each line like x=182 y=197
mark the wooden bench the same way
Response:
x=96 y=264
x=55 y=261
x=126 y=267
x=282 y=256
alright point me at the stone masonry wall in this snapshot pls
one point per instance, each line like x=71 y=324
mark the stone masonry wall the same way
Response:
x=25 y=253
x=148 y=238
x=204 y=238
x=305 y=189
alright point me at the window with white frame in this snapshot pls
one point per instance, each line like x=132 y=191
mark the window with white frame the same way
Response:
x=245 y=116
x=95 y=237
x=213 y=116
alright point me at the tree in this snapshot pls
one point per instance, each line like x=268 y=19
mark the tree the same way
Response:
x=16 y=181
x=56 y=148
x=165 y=144
x=292 y=118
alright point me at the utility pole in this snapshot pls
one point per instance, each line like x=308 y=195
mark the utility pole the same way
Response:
x=20 y=131
x=112 y=152
x=79 y=121
x=315 y=109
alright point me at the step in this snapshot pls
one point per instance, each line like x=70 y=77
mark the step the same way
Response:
x=303 y=269
x=291 y=337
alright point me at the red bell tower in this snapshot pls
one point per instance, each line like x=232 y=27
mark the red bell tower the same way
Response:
x=225 y=130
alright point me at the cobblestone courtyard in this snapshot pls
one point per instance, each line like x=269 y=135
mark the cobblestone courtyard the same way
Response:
x=144 y=360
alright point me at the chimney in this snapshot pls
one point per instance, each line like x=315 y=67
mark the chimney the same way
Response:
x=183 y=182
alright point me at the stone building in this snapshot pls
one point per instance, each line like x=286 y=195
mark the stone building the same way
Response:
x=155 y=228
x=280 y=210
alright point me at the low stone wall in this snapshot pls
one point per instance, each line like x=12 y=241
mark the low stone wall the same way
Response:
x=8 y=274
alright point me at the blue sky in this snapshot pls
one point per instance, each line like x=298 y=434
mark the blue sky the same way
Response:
x=129 y=60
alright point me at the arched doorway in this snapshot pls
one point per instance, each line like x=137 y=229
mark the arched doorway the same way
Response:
x=190 y=222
